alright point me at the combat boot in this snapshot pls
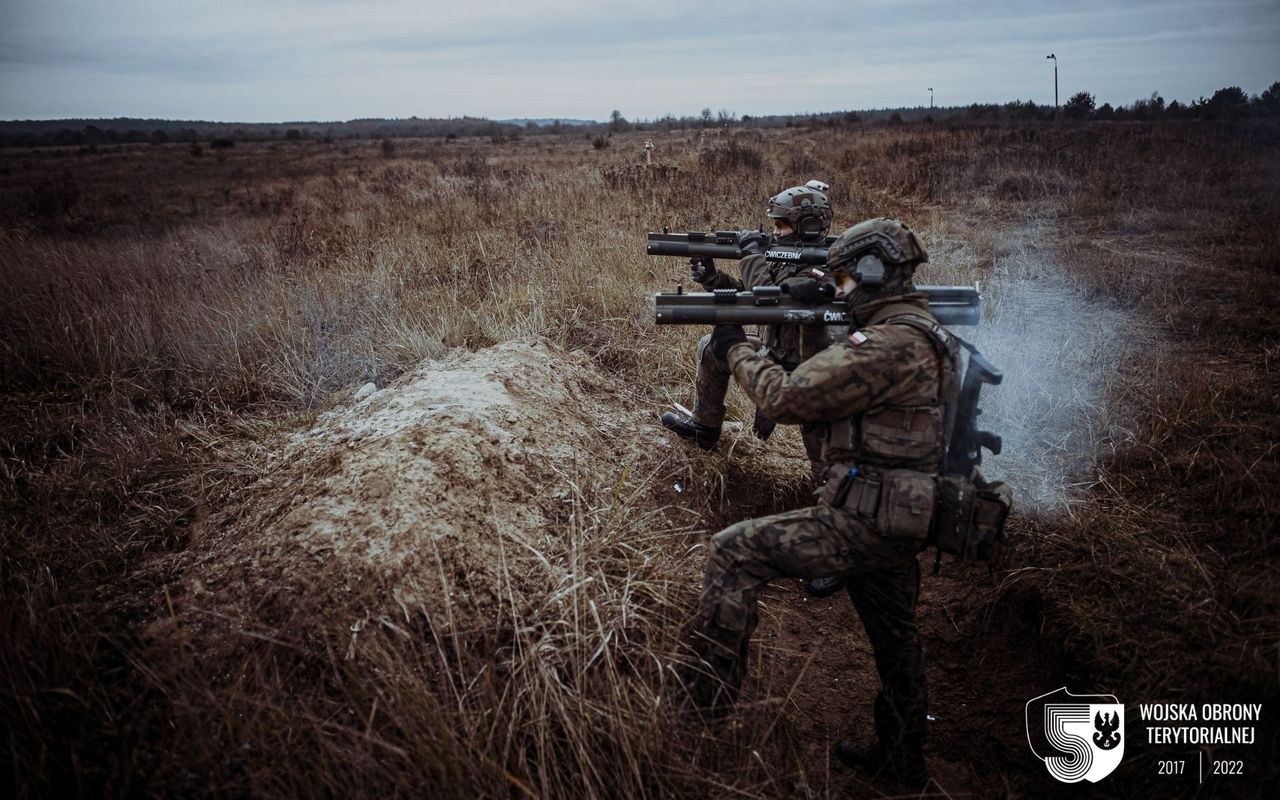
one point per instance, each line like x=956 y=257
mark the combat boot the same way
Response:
x=689 y=428
x=910 y=772
x=824 y=587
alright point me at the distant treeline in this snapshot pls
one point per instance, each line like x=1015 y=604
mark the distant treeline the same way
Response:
x=124 y=130
x=1227 y=103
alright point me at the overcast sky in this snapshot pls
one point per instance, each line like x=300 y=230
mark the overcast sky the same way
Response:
x=278 y=60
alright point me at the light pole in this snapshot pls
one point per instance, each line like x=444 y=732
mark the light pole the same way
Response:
x=930 y=97
x=1055 y=78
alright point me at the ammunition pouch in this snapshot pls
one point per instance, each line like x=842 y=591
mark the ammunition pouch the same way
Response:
x=896 y=436
x=848 y=490
x=906 y=505
x=961 y=515
x=903 y=435
x=970 y=516
x=900 y=501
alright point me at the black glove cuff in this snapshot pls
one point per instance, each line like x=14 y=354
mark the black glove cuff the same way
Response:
x=809 y=291
x=724 y=337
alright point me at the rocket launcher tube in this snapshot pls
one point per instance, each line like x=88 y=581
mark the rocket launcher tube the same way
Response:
x=768 y=305
x=724 y=244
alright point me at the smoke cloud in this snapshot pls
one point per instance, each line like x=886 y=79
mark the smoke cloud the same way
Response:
x=1062 y=353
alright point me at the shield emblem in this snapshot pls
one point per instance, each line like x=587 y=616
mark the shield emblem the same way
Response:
x=1077 y=736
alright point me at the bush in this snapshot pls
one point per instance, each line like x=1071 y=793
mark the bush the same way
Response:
x=1269 y=100
x=734 y=155
x=1079 y=106
x=600 y=142
x=1229 y=98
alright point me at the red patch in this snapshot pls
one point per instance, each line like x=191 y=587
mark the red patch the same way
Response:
x=857 y=337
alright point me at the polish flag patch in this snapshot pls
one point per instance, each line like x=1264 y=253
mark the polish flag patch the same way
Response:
x=857 y=337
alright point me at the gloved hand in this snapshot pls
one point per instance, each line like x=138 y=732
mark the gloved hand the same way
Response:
x=724 y=337
x=809 y=291
x=752 y=242
x=702 y=269
x=762 y=426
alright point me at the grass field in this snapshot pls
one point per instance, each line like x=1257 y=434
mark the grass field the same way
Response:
x=169 y=319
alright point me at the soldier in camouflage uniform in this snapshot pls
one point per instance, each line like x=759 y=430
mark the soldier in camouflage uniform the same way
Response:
x=802 y=216
x=884 y=398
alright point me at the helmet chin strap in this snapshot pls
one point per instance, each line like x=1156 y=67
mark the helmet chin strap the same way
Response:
x=859 y=298
x=809 y=230
x=789 y=238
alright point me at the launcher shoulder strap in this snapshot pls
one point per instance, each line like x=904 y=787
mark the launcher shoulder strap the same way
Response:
x=944 y=345
x=940 y=337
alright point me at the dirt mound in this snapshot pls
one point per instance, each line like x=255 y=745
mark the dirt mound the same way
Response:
x=418 y=499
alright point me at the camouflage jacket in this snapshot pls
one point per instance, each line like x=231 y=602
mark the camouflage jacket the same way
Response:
x=883 y=372
x=788 y=344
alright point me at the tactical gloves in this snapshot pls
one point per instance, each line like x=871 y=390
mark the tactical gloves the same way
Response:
x=762 y=426
x=809 y=291
x=724 y=337
x=752 y=243
x=702 y=270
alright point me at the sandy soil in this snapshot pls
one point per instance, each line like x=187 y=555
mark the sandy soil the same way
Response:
x=387 y=507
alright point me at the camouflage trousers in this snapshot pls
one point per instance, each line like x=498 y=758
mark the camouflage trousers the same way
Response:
x=883 y=580
x=712 y=383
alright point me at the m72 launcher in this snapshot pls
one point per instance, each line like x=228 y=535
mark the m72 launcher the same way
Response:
x=724 y=244
x=769 y=305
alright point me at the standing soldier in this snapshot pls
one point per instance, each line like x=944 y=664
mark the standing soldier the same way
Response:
x=883 y=399
x=801 y=216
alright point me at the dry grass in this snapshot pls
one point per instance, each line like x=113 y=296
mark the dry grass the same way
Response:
x=166 y=315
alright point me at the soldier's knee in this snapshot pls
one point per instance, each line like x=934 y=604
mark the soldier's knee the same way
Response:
x=708 y=360
x=733 y=546
x=703 y=343
x=726 y=543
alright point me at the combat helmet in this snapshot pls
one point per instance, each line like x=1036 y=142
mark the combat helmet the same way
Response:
x=806 y=208
x=880 y=253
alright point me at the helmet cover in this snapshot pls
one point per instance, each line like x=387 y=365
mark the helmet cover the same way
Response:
x=806 y=208
x=895 y=243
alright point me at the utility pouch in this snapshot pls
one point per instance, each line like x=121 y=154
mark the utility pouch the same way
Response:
x=839 y=476
x=906 y=504
x=991 y=506
x=951 y=520
x=969 y=523
x=850 y=491
x=905 y=435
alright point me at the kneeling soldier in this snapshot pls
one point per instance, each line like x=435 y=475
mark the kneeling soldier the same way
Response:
x=801 y=216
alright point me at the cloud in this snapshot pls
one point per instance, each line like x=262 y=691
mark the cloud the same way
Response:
x=325 y=59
